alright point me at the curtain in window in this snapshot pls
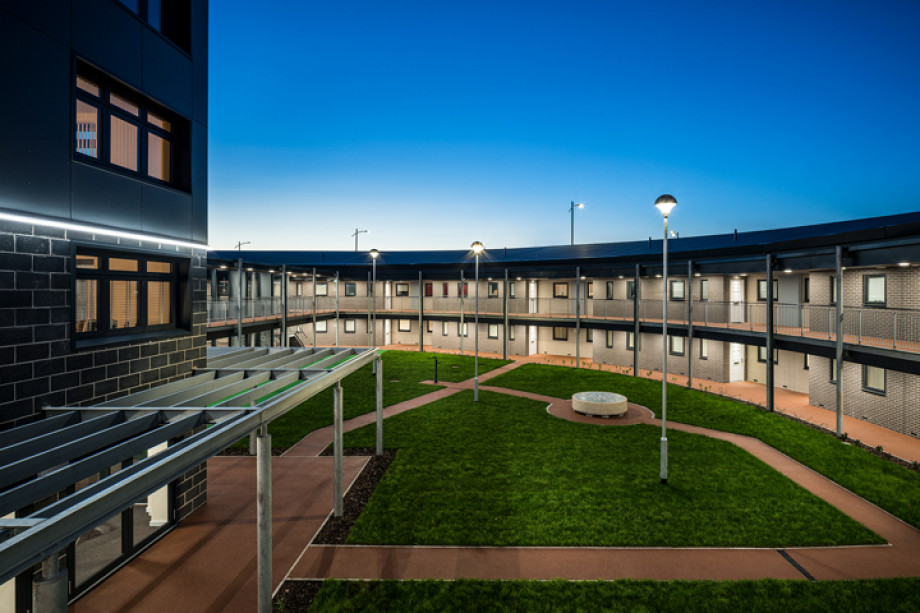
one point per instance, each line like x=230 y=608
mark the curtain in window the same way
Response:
x=123 y=144
x=87 y=308
x=123 y=304
x=157 y=303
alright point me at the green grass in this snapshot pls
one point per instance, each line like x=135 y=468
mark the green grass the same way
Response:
x=402 y=371
x=504 y=472
x=892 y=487
x=463 y=596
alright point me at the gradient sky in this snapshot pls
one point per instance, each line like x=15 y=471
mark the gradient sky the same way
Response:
x=434 y=124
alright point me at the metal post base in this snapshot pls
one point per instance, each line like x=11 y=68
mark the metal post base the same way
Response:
x=664 y=460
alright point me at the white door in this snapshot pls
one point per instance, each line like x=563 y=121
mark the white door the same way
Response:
x=736 y=367
x=386 y=331
x=531 y=340
x=736 y=295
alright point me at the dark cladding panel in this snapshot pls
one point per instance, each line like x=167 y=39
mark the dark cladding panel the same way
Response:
x=107 y=198
x=200 y=60
x=35 y=156
x=200 y=182
x=166 y=211
x=167 y=73
x=107 y=35
x=50 y=17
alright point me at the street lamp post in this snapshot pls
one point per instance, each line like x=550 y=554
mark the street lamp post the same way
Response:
x=477 y=249
x=572 y=212
x=374 y=254
x=239 y=245
x=664 y=203
x=357 y=232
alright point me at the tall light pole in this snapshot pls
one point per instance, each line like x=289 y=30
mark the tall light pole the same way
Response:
x=374 y=254
x=477 y=249
x=239 y=245
x=357 y=232
x=572 y=208
x=664 y=203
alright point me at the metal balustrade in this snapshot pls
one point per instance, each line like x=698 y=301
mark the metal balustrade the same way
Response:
x=879 y=327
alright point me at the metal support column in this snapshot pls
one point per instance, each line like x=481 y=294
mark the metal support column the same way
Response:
x=284 y=305
x=838 y=283
x=421 y=313
x=337 y=448
x=239 y=303
x=264 y=520
x=337 y=322
x=370 y=298
x=636 y=323
x=690 y=324
x=314 y=309
x=769 y=334
x=505 y=317
x=379 y=400
x=49 y=593
x=460 y=329
x=577 y=317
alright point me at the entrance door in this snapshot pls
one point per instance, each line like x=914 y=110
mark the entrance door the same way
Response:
x=736 y=367
x=736 y=295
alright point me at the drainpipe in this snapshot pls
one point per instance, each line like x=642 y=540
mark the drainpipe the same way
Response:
x=838 y=282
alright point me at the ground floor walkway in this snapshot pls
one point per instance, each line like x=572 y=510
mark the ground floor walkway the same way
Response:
x=208 y=563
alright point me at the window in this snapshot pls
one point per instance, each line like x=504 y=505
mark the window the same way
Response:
x=350 y=326
x=874 y=290
x=805 y=290
x=806 y=364
x=762 y=355
x=589 y=335
x=678 y=289
x=322 y=289
x=833 y=291
x=704 y=349
x=493 y=289
x=443 y=328
x=589 y=289
x=874 y=379
x=298 y=289
x=676 y=345
x=833 y=376
x=321 y=326
x=630 y=341
x=463 y=289
x=510 y=333
x=429 y=289
x=402 y=289
x=125 y=293
x=511 y=289
x=428 y=326
x=762 y=289
x=463 y=329
x=351 y=289
x=493 y=330
x=171 y=18
x=609 y=339
x=609 y=290
x=560 y=290
x=704 y=289
x=405 y=325
x=560 y=334
x=630 y=290
x=444 y=289
x=120 y=129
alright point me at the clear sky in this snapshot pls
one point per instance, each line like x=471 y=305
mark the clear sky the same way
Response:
x=437 y=123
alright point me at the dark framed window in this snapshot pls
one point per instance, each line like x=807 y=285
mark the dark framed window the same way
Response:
x=704 y=349
x=493 y=330
x=492 y=289
x=428 y=326
x=560 y=334
x=402 y=289
x=429 y=289
x=511 y=293
x=630 y=341
x=121 y=130
x=589 y=335
x=445 y=289
x=510 y=333
x=351 y=289
x=405 y=325
x=874 y=290
x=609 y=290
x=560 y=290
x=833 y=290
x=350 y=326
x=609 y=339
x=678 y=289
x=833 y=374
x=463 y=329
x=444 y=328
x=806 y=290
x=171 y=18
x=676 y=345
x=805 y=365
x=298 y=289
x=704 y=289
x=589 y=289
x=463 y=289
x=762 y=355
x=874 y=379
x=127 y=294
x=631 y=290
x=762 y=289
x=322 y=289
x=321 y=326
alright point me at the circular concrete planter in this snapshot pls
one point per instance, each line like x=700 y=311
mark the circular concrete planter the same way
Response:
x=603 y=404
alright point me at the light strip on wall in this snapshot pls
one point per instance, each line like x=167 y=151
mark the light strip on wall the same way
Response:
x=66 y=225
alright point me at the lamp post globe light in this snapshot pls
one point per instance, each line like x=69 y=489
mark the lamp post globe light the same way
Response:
x=373 y=293
x=477 y=248
x=572 y=208
x=665 y=203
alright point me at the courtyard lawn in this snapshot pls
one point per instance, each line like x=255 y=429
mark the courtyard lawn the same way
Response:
x=402 y=370
x=892 y=487
x=462 y=596
x=504 y=472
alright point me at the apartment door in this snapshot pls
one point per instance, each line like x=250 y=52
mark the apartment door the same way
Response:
x=531 y=340
x=386 y=331
x=736 y=295
x=736 y=362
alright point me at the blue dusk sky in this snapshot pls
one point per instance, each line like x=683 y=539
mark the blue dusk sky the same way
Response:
x=434 y=124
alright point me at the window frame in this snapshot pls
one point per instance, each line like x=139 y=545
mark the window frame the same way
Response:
x=560 y=333
x=672 y=349
x=630 y=341
x=560 y=289
x=429 y=290
x=833 y=374
x=762 y=354
x=867 y=280
x=610 y=290
x=511 y=291
x=677 y=296
x=704 y=290
x=401 y=290
x=350 y=323
x=492 y=289
x=609 y=339
x=404 y=325
x=322 y=326
x=704 y=349
x=631 y=293
x=351 y=289
x=589 y=335
x=589 y=289
x=762 y=290
x=490 y=332
x=445 y=328
x=321 y=289
x=866 y=387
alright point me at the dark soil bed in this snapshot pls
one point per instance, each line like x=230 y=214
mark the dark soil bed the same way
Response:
x=295 y=595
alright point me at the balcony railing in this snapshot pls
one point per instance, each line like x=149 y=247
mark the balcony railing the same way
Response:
x=890 y=328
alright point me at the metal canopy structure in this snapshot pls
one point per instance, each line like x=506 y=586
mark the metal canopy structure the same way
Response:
x=240 y=391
